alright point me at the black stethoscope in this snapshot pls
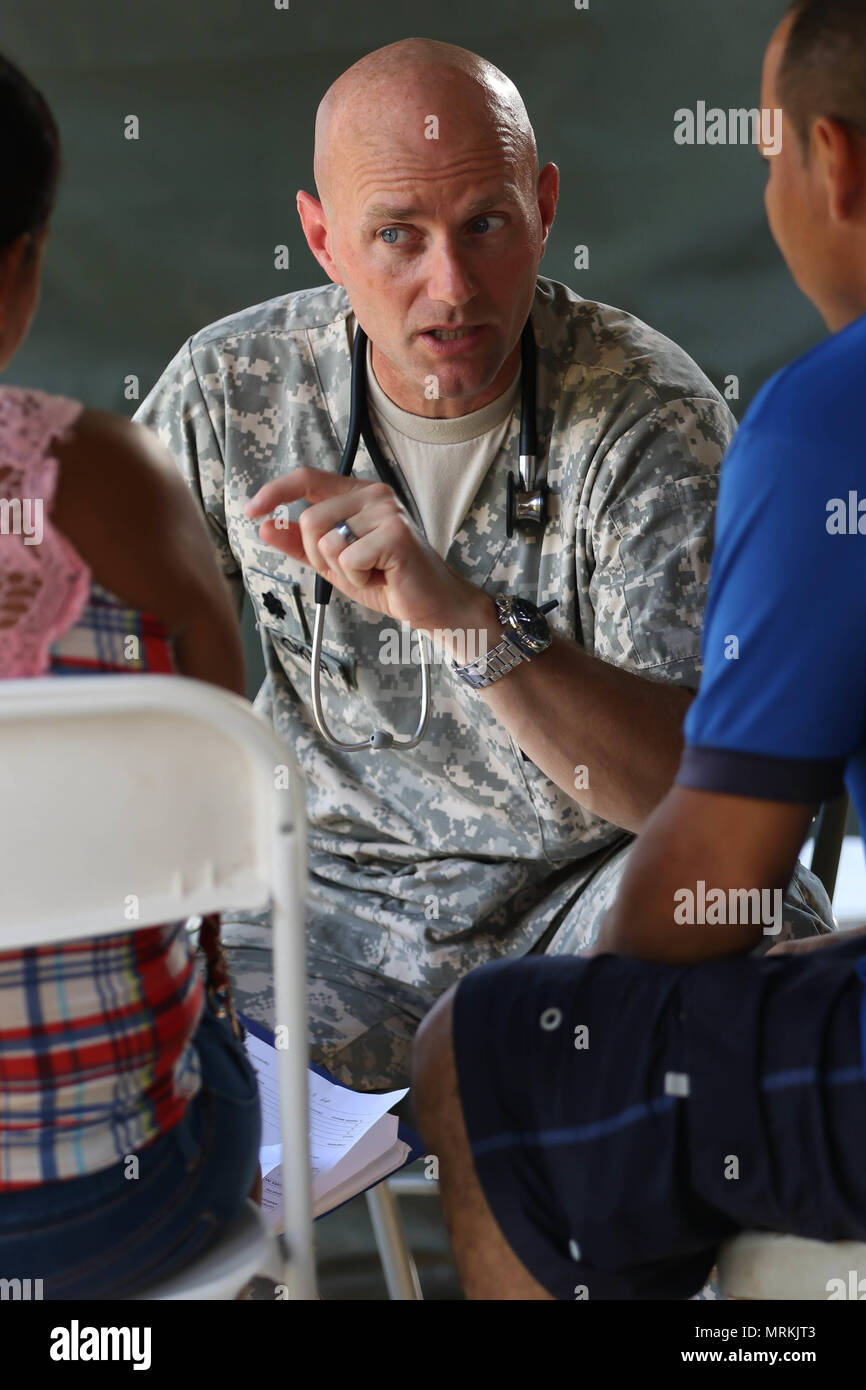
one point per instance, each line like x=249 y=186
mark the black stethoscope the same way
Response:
x=525 y=505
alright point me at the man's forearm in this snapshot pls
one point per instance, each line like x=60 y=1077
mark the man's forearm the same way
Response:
x=706 y=878
x=609 y=738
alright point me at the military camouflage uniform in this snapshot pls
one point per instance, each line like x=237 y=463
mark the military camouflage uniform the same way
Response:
x=425 y=864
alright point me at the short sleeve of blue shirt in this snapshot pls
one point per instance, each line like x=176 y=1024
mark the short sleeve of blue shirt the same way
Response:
x=781 y=710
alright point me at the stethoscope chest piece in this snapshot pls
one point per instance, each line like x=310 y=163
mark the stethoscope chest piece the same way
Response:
x=525 y=505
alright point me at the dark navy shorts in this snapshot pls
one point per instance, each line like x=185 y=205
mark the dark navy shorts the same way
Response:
x=625 y=1117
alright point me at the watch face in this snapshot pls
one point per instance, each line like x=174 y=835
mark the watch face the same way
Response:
x=528 y=621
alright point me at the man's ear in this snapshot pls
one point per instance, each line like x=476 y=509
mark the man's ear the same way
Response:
x=841 y=153
x=315 y=224
x=548 y=195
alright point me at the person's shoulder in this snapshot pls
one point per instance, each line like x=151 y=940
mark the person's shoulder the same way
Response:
x=801 y=435
x=79 y=436
x=296 y=312
x=818 y=395
x=106 y=449
x=609 y=349
x=115 y=477
x=798 y=452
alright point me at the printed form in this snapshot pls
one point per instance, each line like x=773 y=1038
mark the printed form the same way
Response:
x=353 y=1140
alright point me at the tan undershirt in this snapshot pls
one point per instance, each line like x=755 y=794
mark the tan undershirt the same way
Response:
x=443 y=461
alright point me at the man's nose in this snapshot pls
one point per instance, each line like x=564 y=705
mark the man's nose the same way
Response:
x=448 y=279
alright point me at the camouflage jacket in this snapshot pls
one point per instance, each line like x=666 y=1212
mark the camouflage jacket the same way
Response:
x=461 y=844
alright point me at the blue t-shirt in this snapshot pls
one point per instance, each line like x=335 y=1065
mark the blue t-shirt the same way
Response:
x=781 y=710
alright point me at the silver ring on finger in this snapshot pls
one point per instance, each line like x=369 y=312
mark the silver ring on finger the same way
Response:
x=345 y=530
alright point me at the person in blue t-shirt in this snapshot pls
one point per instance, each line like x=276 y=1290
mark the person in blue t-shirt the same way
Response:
x=602 y=1124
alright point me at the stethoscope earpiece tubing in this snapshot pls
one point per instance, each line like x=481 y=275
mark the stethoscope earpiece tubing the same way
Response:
x=323 y=588
x=528 y=372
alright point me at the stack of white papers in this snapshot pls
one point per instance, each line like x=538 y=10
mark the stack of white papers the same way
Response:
x=354 y=1142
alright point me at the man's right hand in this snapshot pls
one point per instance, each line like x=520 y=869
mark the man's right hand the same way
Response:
x=813 y=943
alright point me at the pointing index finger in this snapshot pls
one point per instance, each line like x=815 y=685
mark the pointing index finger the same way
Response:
x=311 y=484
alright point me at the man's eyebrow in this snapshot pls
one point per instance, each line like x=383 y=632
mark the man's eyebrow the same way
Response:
x=405 y=213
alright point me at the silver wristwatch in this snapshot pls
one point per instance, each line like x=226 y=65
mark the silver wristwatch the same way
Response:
x=525 y=633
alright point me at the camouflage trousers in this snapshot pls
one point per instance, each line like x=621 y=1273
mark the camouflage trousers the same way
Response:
x=362 y=1021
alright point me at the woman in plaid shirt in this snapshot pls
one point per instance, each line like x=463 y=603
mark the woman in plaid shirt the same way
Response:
x=129 y=1120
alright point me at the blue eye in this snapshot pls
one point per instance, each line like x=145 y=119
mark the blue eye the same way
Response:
x=392 y=241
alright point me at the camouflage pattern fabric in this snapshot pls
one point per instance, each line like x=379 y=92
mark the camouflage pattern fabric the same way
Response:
x=427 y=863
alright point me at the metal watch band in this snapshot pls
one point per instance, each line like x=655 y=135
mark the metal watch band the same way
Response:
x=514 y=648
x=488 y=668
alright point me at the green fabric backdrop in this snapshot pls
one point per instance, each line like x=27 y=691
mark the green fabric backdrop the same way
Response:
x=157 y=237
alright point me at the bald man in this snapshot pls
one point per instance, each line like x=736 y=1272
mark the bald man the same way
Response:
x=506 y=829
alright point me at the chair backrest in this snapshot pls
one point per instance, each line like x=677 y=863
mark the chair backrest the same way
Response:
x=133 y=800
x=130 y=800
x=829 y=837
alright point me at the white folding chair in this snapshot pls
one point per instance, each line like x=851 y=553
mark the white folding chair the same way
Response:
x=764 y=1264
x=398 y=1264
x=132 y=800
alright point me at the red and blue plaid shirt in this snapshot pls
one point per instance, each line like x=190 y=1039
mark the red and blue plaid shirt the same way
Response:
x=96 y=1050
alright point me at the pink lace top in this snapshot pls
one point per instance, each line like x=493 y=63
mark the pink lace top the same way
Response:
x=44 y=584
x=97 y=1051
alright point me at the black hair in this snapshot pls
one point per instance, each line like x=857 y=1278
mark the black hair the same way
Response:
x=823 y=69
x=29 y=157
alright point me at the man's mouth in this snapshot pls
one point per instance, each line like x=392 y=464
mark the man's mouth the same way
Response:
x=446 y=341
x=445 y=335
